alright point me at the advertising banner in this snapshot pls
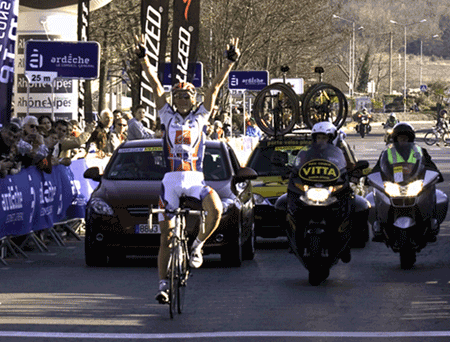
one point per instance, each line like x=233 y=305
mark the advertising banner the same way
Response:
x=186 y=21
x=64 y=98
x=154 y=22
x=8 y=37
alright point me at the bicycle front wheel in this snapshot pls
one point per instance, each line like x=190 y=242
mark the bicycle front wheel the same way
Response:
x=431 y=138
x=173 y=279
x=183 y=267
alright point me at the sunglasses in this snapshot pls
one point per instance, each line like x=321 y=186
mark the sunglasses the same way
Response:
x=32 y=126
x=182 y=96
x=122 y=125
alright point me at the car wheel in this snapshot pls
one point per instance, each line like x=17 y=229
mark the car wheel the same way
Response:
x=232 y=256
x=94 y=256
x=249 y=247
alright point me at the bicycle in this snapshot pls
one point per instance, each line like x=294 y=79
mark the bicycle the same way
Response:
x=437 y=134
x=178 y=266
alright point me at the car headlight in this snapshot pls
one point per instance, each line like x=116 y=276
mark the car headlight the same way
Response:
x=100 y=207
x=410 y=190
x=260 y=200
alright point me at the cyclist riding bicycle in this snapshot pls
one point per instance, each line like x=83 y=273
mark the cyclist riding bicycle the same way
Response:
x=184 y=125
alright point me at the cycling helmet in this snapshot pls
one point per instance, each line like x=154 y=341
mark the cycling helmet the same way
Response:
x=184 y=86
x=218 y=124
x=324 y=127
x=403 y=128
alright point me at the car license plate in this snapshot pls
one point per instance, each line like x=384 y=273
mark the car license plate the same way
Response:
x=145 y=229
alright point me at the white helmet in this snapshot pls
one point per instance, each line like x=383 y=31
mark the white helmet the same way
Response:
x=324 y=127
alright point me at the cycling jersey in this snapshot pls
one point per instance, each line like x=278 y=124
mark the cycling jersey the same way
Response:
x=184 y=138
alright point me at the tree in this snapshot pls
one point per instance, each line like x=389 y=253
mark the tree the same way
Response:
x=364 y=74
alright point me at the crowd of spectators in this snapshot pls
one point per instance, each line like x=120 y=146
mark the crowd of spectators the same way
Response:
x=44 y=143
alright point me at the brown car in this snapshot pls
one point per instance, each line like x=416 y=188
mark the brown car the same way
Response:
x=118 y=210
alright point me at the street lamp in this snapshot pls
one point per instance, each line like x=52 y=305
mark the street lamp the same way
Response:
x=421 y=59
x=404 y=84
x=351 y=55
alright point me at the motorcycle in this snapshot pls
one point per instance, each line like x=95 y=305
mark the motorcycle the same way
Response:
x=322 y=213
x=363 y=126
x=406 y=208
x=388 y=133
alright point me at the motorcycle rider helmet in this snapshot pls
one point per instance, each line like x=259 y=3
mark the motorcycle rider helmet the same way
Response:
x=403 y=128
x=326 y=128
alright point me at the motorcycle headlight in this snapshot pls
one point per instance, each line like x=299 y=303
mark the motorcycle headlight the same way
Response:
x=100 y=207
x=260 y=200
x=414 y=188
x=318 y=194
x=392 y=189
x=410 y=190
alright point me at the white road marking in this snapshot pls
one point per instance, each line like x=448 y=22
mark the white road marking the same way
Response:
x=225 y=334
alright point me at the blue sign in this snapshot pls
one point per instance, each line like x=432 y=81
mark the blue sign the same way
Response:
x=423 y=87
x=198 y=75
x=46 y=60
x=248 y=80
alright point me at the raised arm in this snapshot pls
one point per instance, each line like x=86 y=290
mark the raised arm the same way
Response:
x=232 y=55
x=155 y=84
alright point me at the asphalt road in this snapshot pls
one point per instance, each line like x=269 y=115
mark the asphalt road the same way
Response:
x=55 y=297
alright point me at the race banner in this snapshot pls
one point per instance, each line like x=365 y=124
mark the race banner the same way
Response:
x=8 y=38
x=83 y=35
x=186 y=22
x=155 y=22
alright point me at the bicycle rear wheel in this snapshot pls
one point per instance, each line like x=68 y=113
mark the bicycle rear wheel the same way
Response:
x=430 y=138
x=183 y=266
x=324 y=102
x=173 y=279
x=276 y=109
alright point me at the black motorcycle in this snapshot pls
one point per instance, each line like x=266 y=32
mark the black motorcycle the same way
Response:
x=363 y=126
x=322 y=211
x=406 y=208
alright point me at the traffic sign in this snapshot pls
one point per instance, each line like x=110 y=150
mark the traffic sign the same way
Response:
x=249 y=80
x=46 y=60
x=198 y=75
x=423 y=87
x=297 y=84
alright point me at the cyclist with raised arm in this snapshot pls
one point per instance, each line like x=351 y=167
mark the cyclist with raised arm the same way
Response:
x=184 y=126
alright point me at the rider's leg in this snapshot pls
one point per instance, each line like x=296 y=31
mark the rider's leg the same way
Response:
x=213 y=207
x=164 y=250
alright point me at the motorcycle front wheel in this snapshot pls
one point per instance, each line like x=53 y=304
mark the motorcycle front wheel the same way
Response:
x=407 y=258
x=431 y=138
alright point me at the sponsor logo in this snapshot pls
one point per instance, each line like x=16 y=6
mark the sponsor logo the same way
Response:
x=184 y=43
x=36 y=59
x=183 y=137
x=319 y=171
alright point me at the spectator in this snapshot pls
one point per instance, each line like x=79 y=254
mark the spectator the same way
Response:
x=74 y=128
x=45 y=124
x=9 y=137
x=117 y=114
x=218 y=131
x=136 y=129
x=209 y=131
x=226 y=124
x=31 y=136
x=51 y=140
x=118 y=136
x=253 y=130
x=63 y=151
x=100 y=136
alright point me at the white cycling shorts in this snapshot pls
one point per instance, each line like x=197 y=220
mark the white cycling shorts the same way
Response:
x=178 y=183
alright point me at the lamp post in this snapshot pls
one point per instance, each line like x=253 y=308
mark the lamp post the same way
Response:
x=351 y=55
x=404 y=84
x=421 y=59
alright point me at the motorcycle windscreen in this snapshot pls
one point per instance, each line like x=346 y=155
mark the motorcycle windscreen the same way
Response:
x=402 y=163
x=320 y=164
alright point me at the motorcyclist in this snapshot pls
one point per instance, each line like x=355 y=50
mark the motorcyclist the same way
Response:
x=391 y=121
x=404 y=149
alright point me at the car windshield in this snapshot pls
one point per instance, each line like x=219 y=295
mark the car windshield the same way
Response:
x=148 y=163
x=402 y=162
x=274 y=160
